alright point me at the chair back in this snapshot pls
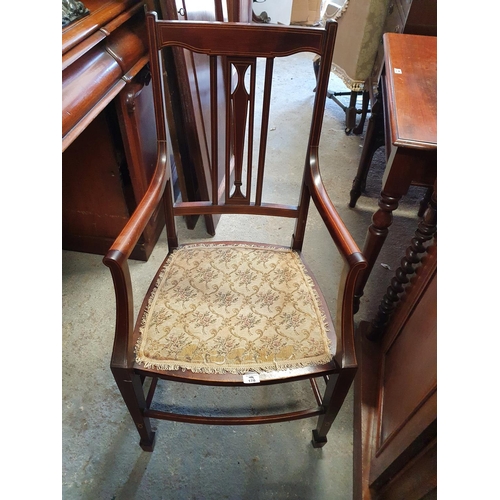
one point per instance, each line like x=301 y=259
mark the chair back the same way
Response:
x=238 y=125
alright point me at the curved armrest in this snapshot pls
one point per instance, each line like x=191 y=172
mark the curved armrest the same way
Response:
x=335 y=225
x=117 y=261
x=354 y=260
x=135 y=226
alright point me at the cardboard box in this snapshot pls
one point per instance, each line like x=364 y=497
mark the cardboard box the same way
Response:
x=306 y=12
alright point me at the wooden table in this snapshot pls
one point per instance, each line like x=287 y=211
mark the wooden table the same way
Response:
x=409 y=101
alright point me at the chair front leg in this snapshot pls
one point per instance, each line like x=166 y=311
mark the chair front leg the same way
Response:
x=130 y=386
x=333 y=399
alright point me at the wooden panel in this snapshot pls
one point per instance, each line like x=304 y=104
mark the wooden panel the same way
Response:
x=93 y=201
x=395 y=394
x=366 y=396
x=422 y=18
x=135 y=112
x=410 y=372
x=198 y=72
x=189 y=139
x=417 y=481
x=407 y=411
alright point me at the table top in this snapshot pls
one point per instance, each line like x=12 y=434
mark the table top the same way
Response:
x=411 y=77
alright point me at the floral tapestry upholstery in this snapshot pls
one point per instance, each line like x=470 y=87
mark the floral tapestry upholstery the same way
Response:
x=233 y=308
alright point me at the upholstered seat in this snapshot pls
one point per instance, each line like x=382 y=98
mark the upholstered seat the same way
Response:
x=234 y=308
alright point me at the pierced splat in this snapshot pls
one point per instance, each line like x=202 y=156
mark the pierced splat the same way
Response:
x=239 y=112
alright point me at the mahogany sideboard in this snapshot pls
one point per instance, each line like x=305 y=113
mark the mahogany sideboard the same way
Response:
x=108 y=127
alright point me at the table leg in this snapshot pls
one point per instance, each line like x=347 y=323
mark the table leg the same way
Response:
x=425 y=201
x=375 y=238
x=351 y=112
x=425 y=232
x=364 y=111
x=374 y=139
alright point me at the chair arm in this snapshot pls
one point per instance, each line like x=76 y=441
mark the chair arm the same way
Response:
x=130 y=234
x=335 y=225
x=117 y=260
x=354 y=260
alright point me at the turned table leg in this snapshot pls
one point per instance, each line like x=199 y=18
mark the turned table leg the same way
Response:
x=364 y=112
x=426 y=230
x=375 y=238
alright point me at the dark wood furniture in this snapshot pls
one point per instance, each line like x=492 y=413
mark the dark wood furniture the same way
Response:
x=395 y=397
x=409 y=99
x=412 y=17
x=108 y=127
x=236 y=46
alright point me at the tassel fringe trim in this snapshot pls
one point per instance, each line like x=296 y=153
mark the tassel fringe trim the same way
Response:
x=351 y=84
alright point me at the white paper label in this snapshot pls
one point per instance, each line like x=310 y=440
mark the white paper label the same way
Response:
x=251 y=378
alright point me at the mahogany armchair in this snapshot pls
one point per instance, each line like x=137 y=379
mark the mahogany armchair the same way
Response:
x=235 y=314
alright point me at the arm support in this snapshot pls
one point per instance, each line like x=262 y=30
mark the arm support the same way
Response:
x=117 y=261
x=354 y=260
